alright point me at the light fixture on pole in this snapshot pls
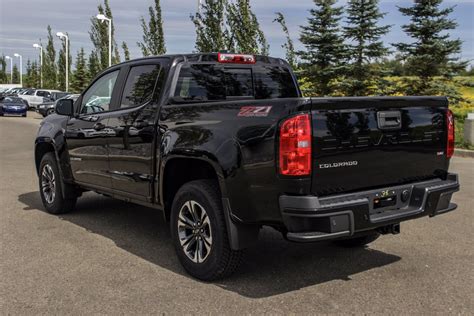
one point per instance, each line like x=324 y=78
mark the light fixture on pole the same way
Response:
x=41 y=63
x=102 y=18
x=61 y=35
x=21 y=68
x=11 y=68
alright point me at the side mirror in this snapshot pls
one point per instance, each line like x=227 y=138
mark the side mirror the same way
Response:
x=65 y=107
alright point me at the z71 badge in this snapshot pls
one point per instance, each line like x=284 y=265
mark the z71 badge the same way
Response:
x=254 y=111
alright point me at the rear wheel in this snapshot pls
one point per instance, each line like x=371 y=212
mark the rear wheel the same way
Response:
x=357 y=241
x=199 y=232
x=51 y=187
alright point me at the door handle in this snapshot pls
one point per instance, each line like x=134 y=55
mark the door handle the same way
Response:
x=99 y=126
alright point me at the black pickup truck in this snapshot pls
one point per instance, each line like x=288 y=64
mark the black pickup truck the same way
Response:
x=224 y=144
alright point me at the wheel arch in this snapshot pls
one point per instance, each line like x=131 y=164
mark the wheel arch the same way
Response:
x=178 y=169
x=240 y=235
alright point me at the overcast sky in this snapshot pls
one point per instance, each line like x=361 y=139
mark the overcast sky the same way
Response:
x=23 y=22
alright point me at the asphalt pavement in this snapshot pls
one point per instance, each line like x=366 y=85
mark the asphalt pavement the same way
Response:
x=112 y=257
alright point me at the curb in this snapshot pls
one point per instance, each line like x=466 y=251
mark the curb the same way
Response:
x=464 y=153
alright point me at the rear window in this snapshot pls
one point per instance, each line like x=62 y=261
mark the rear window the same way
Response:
x=201 y=82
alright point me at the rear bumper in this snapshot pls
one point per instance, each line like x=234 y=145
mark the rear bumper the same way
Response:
x=309 y=218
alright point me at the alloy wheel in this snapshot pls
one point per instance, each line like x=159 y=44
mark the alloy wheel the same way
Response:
x=194 y=231
x=48 y=184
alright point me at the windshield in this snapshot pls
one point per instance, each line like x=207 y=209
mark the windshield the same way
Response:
x=12 y=100
x=210 y=82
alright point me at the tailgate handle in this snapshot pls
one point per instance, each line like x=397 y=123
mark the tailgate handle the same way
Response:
x=389 y=120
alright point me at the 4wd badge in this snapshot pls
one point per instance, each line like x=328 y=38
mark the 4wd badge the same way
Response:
x=253 y=111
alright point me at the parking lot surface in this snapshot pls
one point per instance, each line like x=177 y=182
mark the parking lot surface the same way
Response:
x=112 y=257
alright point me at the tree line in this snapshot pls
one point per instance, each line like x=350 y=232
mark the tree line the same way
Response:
x=344 y=52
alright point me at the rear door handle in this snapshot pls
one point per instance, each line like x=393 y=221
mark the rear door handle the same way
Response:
x=389 y=120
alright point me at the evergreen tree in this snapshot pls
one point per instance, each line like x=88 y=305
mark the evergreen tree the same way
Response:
x=28 y=79
x=16 y=74
x=80 y=77
x=35 y=74
x=325 y=49
x=245 y=33
x=364 y=74
x=93 y=65
x=153 y=38
x=431 y=53
x=49 y=63
x=126 y=51
x=288 y=46
x=211 y=34
x=3 y=70
x=62 y=65
x=32 y=76
x=99 y=35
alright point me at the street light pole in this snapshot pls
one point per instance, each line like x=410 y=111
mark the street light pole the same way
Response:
x=61 y=35
x=21 y=68
x=102 y=18
x=11 y=68
x=41 y=63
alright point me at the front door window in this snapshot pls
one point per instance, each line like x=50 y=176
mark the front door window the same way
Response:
x=97 y=98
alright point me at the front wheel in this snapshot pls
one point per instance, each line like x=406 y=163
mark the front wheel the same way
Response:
x=199 y=232
x=51 y=187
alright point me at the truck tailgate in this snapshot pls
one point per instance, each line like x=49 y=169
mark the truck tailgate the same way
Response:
x=363 y=143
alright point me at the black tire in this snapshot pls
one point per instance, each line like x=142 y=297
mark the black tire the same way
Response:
x=49 y=112
x=24 y=115
x=221 y=261
x=361 y=241
x=58 y=204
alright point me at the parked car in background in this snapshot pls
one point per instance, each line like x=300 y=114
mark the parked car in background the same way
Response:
x=58 y=95
x=48 y=108
x=12 y=106
x=35 y=97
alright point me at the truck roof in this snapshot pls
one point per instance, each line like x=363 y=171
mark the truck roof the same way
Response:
x=210 y=57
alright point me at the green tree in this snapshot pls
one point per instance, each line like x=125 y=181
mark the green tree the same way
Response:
x=80 y=77
x=323 y=59
x=211 y=33
x=245 y=33
x=93 y=65
x=3 y=70
x=432 y=52
x=126 y=51
x=49 y=63
x=62 y=65
x=16 y=74
x=32 y=77
x=288 y=46
x=364 y=75
x=99 y=35
x=153 y=37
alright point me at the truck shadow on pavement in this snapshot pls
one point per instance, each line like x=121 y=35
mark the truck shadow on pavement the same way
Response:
x=273 y=266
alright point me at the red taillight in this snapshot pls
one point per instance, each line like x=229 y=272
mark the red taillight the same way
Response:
x=295 y=146
x=450 y=128
x=236 y=58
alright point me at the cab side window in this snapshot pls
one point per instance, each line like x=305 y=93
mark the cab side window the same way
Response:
x=140 y=85
x=97 y=98
x=42 y=94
